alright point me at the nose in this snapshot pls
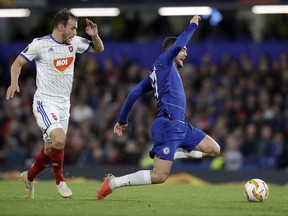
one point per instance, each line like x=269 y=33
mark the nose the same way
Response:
x=185 y=53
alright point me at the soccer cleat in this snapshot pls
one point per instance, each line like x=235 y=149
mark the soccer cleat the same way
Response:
x=63 y=190
x=105 y=188
x=29 y=186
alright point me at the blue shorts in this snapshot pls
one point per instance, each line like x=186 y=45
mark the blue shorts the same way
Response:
x=168 y=135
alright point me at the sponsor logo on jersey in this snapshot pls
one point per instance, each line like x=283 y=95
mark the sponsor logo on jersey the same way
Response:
x=54 y=116
x=70 y=48
x=62 y=64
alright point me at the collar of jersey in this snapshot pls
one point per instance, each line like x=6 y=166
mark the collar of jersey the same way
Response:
x=54 y=39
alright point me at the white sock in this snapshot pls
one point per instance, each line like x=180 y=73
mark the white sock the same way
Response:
x=141 y=177
x=195 y=154
x=182 y=153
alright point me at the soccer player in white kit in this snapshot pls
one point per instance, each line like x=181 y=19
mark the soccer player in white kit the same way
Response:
x=54 y=55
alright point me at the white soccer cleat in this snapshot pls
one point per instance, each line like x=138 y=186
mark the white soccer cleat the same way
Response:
x=63 y=190
x=29 y=186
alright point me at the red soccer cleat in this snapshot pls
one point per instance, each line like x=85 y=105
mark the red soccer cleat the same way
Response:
x=105 y=188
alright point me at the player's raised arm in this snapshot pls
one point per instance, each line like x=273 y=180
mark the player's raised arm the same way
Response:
x=92 y=30
x=15 y=73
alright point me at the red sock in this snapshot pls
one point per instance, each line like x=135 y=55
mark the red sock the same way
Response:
x=41 y=162
x=57 y=159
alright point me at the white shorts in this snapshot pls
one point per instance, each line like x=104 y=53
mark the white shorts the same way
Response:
x=49 y=116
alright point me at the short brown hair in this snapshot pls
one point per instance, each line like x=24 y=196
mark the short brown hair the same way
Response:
x=168 y=42
x=62 y=17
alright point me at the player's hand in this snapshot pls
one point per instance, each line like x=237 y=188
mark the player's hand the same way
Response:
x=119 y=129
x=195 y=19
x=11 y=91
x=91 y=28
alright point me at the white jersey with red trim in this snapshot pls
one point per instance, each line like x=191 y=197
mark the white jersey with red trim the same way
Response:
x=55 y=67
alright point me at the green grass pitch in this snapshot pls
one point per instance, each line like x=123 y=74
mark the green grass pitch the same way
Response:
x=166 y=199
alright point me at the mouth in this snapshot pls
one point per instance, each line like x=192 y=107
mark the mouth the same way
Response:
x=69 y=40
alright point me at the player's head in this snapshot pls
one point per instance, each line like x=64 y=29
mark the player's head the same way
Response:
x=66 y=23
x=168 y=42
x=62 y=17
x=179 y=60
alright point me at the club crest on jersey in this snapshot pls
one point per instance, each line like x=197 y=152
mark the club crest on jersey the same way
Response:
x=166 y=150
x=54 y=116
x=70 y=48
x=62 y=64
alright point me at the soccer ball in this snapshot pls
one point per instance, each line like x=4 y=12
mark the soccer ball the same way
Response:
x=256 y=190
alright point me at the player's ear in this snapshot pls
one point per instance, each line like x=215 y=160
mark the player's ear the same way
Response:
x=61 y=27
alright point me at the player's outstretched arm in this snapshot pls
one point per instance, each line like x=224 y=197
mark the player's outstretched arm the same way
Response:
x=15 y=73
x=92 y=30
x=195 y=19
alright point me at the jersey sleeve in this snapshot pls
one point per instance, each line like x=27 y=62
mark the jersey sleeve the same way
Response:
x=142 y=88
x=82 y=44
x=183 y=39
x=31 y=51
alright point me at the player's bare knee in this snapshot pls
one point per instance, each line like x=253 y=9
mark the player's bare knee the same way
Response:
x=213 y=152
x=59 y=141
x=159 y=178
x=163 y=177
x=216 y=151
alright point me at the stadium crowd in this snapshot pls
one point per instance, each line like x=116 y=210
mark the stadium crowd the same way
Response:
x=244 y=106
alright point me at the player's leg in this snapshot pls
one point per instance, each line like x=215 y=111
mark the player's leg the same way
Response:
x=197 y=144
x=54 y=136
x=42 y=159
x=111 y=182
x=158 y=175
x=58 y=141
x=53 y=151
x=58 y=138
x=161 y=170
x=41 y=162
x=208 y=146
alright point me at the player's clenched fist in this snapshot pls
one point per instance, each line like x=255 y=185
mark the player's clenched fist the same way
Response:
x=195 y=19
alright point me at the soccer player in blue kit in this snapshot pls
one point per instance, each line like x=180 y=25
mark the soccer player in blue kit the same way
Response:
x=172 y=136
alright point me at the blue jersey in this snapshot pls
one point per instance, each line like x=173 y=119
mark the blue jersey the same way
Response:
x=166 y=83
